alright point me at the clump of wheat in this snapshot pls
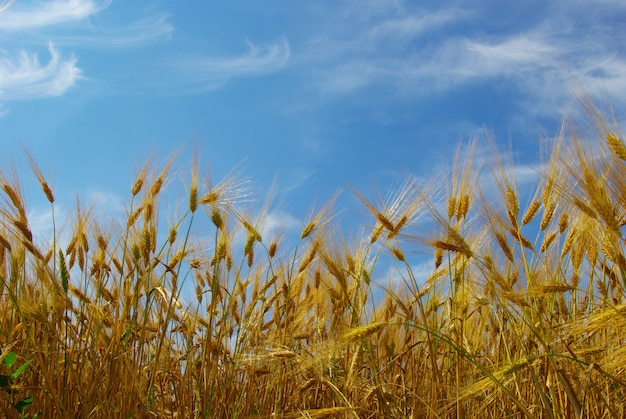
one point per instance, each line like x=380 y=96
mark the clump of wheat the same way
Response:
x=209 y=314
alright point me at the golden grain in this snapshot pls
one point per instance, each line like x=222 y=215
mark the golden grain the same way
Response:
x=362 y=332
x=216 y=218
x=443 y=245
x=4 y=242
x=22 y=227
x=438 y=257
x=133 y=217
x=504 y=245
x=600 y=284
x=547 y=241
x=47 y=191
x=512 y=204
x=451 y=207
x=45 y=187
x=148 y=210
x=576 y=255
x=307 y=230
x=139 y=182
x=14 y=197
x=616 y=145
x=158 y=183
x=111 y=297
x=250 y=257
x=78 y=293
x=584 y=208
x=136 y=188
x=563 y=222
x=28 y=244
x=146 y=243
x=271 y=251
x=517 y=235
x=397 y=253
x=548 y=214
x=463 y=207
x=530 y=212
x=376 y=232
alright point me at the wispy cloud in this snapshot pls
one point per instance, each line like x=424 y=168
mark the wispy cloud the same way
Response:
x=62 y=24
x=385 y=46
x=23 y=76
x=606 y=73
x=523 y=59
x=47 y=13
x=487 y=59
x=107 y=202
x=5 y=4
x=412 y=26
x=40 y=16
x=455 y=61
x=297 y=177
x=213 y=72
x=277 y=221
x=138 y=33
x=418 y=52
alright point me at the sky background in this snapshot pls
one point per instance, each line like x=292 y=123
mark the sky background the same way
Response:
x=317 y=95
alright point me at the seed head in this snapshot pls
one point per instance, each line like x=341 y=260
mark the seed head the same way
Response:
x=530 y=212
x=193 y=198
x=616 y=145
x=362 y=332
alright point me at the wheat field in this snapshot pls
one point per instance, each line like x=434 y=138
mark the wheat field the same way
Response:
x=520 y=314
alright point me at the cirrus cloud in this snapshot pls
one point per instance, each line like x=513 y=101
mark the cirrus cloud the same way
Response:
x=212 y=72
x=23 y=76
x=41 y=14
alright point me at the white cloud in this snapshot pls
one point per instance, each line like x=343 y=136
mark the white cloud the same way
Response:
x=141 y=32
x=455 y=62
x=408 y=27
x=416 y=53
x=605 y=75
x=378 y=36
x=5 y=4
x=24 y=77
x=505 y=57
x=297 y=177
x=211 y=72
x=106 y=202
x=48 y=13
x=41 y=15
x=526 y=175
x=383 y=46
x=279 y=220
x=523 y=59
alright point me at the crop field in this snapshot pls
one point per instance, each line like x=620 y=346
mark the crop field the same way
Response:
x=522 y=311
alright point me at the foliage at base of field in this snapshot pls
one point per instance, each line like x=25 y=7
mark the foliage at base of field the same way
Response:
x=522 y=311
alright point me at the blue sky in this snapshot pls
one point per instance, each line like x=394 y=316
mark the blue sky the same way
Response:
x=318 y=95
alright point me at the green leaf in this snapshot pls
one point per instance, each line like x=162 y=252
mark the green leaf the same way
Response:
x=24 y=403
x=20 y=370
x=9 y=359
x=4 y=381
